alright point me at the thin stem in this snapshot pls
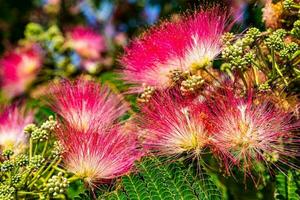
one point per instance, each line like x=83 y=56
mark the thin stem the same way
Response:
x=22 y=193
x=60 y=169
x=255 y=76
x=49 y=175
x=296 y=6
x=45 y=148
x=295 y=55
x=211 y=75
x=230 y=74
x=261 y=55
x=36 y=176
x=243 y=79
x=73 y=178
x=41 y=172
x=51 y=164
x=274 y=65
x=30 y=148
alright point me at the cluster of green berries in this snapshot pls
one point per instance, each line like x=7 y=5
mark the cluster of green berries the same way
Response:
x=146 y=95
x=7 y=165
x=288 y=50
x=7 y=153
x=276 y=40
x=43 y=132
x=53 y=41
x=296 y=29
x=36 y=162
x=288 y=4
x=22 y=160
x=175 y=75
x=238 y=54
x=57 y=184
x=57 y=149
x=52 y=36
x=191 y=84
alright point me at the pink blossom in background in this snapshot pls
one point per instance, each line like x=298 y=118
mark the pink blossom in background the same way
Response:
x=98 y=156
x=86 y=42
x=185 y=44
x=246 y=132
x=85 y=104
x=18 y=69
x=13 y=120
x=53 y=2
x=171 y=125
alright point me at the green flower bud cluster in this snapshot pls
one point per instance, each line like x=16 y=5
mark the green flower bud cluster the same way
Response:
x=16 y=179
x=227 y=38
x=192 y=84
x=175 y=75
x=7 y=165
x=49 y=125
x=296 y=29
x=40 y=135
x=289 y=50
x=264 y=87
x=6 y=192
x=57 y=184
x=249 y=57
x=27 y=172
x=288 y=4
x=251 y=35
x=34 y=32
x=21 y=160
x=234 y=54
x=36 y=162
x=43 y=132
x=7 y=153
x=237 y=54
x=54 y=35
x=146 y=95
x=57 y=150
x=275 y=40
x=30 y=128
x=273 y=157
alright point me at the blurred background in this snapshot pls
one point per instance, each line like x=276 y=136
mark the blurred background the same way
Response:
x=43 y=40
x=111 y=17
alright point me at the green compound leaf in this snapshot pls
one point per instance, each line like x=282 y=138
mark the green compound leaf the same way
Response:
x=286 y=187
x=174 y=181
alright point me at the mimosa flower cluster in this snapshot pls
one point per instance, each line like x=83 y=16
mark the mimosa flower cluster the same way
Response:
x=200 y=92
x=19 y=69
x=96 y=148
x=172 y=48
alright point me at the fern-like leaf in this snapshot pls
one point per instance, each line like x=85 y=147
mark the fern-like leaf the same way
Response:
x=157 y=180
x=286 y=188
x=135 y=188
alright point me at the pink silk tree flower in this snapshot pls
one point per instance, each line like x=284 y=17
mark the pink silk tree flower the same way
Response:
x=247 y=131
x=172 y=126
x=18 y=69
x=98 y=156
x=85 y=104
x=187 y=44
x=13 y=120
x=86 y=42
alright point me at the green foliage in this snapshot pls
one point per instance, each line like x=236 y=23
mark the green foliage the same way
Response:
x=75 y=190
x=167 y=181
x=287 y=186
